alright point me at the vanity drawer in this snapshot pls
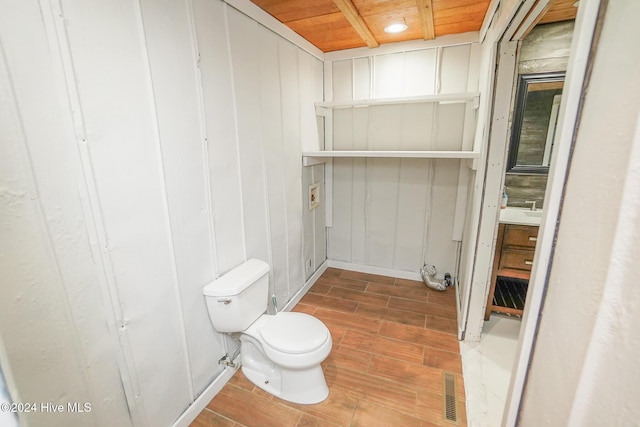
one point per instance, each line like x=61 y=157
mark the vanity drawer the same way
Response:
x=520 y=235
x=516 y=259
x=515 y=248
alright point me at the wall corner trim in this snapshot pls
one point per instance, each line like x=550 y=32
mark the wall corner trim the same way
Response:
x=308 y=284
x=268 y=21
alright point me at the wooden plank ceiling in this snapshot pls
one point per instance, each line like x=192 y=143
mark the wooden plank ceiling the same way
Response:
x=560 y=10
x=343 y=24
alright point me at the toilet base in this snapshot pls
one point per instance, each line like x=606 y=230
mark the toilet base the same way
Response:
x=306 y=386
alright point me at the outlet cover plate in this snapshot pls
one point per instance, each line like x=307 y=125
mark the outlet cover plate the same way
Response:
x=314 y=196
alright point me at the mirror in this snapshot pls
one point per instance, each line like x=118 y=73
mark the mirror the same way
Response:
x=534 y=122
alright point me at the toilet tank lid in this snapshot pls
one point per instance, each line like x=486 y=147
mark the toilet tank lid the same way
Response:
x=238 y=279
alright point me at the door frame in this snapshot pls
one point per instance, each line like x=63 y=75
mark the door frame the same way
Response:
x=581 y=49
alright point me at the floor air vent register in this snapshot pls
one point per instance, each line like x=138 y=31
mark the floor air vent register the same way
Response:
x=450 y=409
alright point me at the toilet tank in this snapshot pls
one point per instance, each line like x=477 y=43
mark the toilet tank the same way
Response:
x=238 y=298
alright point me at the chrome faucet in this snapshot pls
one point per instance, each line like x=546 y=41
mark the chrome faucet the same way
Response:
x=533 y=204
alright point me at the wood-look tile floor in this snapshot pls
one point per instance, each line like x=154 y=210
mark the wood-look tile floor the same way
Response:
x=393 y=339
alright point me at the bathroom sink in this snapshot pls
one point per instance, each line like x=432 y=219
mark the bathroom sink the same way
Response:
x=521 y=216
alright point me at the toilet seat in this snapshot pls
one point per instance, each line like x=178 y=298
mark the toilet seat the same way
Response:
x=294 y=333
x=291 y=340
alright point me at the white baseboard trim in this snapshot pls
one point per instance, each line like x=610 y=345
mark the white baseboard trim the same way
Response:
x=207 y=395
x=308 y=284
x=401 y=274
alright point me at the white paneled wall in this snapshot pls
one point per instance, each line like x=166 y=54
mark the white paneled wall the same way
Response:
x=59 y=341
x=399 y=213
x=147 y=148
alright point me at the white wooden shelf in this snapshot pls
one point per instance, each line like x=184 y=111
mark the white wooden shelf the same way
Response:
x=310 y=158
x=452 y=97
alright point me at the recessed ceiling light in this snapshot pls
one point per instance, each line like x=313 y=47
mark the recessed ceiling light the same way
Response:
x=395 y=28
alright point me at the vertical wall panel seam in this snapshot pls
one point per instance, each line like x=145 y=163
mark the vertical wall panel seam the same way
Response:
x=204 y=139
x=469 y=65
x=404 y=70
x=235 y=126
x=426 y=247
x=351 y=163
x=108 y=289
x=265 y=182
x=373 y=76
x=286 y=217
x=353 y=79
x=398 y=189
x=396 y=217
x=438 y=73
x=265 y=186
x=428 y=210
x=299 y=174
x=368 y=186
x=268 y=212
x=303 y=260
x=163 y=189
x=367 y=182
x=313 y=225
x=327 y=78
x=370 y=64
x=36 y=201
x=265 y=171
x=394 y=249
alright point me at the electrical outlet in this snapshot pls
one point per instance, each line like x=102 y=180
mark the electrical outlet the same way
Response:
x=314 y=196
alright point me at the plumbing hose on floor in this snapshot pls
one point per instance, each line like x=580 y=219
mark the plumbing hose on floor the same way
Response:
x=428 y=273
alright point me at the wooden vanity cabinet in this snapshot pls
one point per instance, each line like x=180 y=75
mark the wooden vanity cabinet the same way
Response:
x=515 y=247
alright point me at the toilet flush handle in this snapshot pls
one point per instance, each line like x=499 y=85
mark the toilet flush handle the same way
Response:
x=225 y=300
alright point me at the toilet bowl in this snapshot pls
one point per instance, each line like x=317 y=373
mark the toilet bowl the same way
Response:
x=279 y=353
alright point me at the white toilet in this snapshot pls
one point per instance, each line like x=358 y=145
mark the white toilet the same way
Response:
x=280 y=353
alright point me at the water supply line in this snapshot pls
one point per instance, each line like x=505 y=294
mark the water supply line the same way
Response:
x=428 y=273
x=230 y=362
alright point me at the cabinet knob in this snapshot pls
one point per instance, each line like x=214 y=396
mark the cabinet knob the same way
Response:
x=533 y=239
x=527 y=262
